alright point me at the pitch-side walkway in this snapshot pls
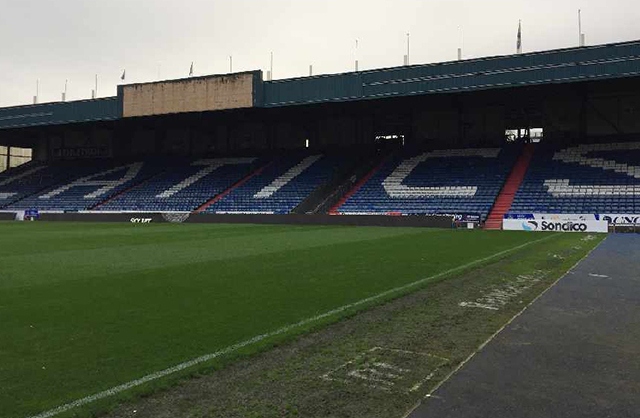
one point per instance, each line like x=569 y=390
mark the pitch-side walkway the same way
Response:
x=574 y=353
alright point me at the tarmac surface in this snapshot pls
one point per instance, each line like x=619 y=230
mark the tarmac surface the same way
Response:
x=575 y=352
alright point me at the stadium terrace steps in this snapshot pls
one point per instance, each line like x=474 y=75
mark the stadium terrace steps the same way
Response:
x=449 y=181
x=280 y=187
x=127 y=190
x=14 y=177
x=512 y=184
x=357 y=186
x=79 y=186
x=595 y=178
x=28 y=180
x=19 y=189
x=325 y=196
x=234 y=186
x=183 y=186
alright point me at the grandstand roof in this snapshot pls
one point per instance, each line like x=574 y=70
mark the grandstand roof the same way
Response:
x=600 y=62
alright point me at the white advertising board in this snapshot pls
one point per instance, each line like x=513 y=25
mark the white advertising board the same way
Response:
x=613 y=219
x=620 y=219
x=554 y=226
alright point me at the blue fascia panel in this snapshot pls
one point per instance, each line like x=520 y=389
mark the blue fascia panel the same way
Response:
x=60 y=113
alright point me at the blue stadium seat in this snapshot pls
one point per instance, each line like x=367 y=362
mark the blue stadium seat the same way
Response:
x=81 y=185
x=182 y=186
x=168 y=185
x=280 y=187
x=584 y=179
x=443 y=181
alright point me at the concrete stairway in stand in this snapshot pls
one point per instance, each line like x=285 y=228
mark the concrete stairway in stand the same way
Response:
x=507 y=194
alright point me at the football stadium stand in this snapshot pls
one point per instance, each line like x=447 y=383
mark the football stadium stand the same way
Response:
x=87 y=184
x=508 y=193
x=582 y=179
x=22 y=181
x=547 y=132
x=280 y=187
x=20 y=185
x=515 y=179
x=181 y=187
x=216 y=185
x=453 y=181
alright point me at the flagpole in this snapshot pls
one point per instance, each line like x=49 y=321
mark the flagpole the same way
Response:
x=408 y=61
x=579 y=27
x=519 y=41
x=461 y=43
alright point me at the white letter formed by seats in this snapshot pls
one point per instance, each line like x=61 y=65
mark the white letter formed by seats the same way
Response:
x=210 y=166
x=577 y=155
x=7 y=195
x=107 y=185
x=283 y=180
x=394 y=187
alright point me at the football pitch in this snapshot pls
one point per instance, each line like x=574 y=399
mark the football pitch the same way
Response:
x=85 y=308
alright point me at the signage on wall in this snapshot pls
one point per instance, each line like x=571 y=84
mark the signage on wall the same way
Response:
x=80 y=152
x=612 y=219
x=532 y=225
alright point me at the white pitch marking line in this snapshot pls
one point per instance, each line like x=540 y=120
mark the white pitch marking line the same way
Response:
x=477 y=305
x=499 y=297
x=384 y=365
x=468 y=359
x=415 y=353
x=207 y=357
x=327 y=377
x=345 y=364
x=422 y=382
x=357 y=373
x=369 y=374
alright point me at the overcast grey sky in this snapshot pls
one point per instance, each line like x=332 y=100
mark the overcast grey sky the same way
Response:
x=75 y=39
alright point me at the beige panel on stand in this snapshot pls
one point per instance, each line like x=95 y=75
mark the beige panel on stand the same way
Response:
x=198 y=94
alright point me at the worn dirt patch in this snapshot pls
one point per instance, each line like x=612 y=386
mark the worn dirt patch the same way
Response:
x=321 y=374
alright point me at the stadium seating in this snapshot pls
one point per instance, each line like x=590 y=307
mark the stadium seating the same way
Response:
x=280 y=187
x=157 y=185
x=182 y=186
x=87 y=183
x=582 y=179
x=21 y=181
x=461 y=181
x=28 y=179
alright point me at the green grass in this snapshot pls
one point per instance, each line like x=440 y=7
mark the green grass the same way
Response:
x=85 y=307
x=285 y=381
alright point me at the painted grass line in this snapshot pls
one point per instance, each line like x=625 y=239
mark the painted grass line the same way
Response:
x=495 y=334
x=230 y=349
